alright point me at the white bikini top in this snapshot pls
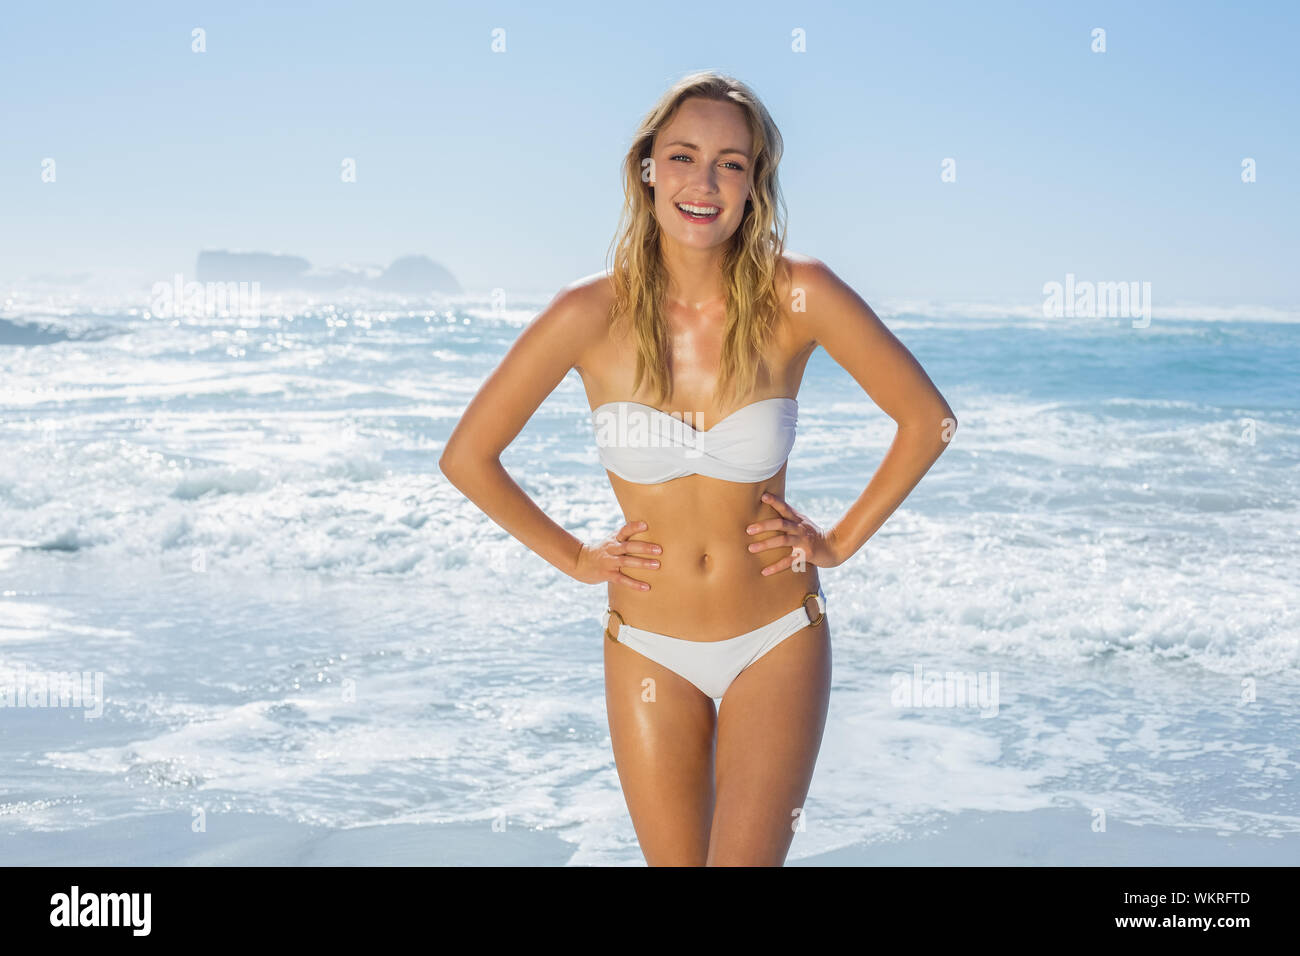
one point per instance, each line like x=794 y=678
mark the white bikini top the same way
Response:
x=648 y=446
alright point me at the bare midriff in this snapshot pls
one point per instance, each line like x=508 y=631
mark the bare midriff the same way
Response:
x=709 y=586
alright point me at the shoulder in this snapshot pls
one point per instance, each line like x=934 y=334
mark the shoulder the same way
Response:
x=816 y=292
x=804 y=283
x=580 y=303
x=585 y=298
x=592 y=290
x=806 y=273
x=580 y=312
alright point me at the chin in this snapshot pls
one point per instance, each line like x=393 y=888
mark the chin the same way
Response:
x=698 y=241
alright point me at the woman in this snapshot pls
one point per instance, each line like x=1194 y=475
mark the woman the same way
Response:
x=691 y=350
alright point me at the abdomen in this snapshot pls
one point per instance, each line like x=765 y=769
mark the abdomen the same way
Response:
x=708 y=585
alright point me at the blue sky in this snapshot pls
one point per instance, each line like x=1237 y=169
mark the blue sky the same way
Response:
x=505 y=167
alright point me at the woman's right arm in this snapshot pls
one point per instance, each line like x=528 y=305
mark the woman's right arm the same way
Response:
x=549 y=346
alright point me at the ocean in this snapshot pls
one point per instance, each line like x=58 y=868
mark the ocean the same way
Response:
x=291 y=629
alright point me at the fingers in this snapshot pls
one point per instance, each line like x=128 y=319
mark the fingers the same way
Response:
x=629 y=529
x=637 y=547
x=777 y=503
x=781 y=565
x=772 y=524
x=624 y=554
x=642 y=547
x=767 y=544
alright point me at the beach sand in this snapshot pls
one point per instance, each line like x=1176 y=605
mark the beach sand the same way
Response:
x=1049 y=837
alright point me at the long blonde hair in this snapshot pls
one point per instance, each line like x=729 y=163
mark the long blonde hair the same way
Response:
x=750 y=262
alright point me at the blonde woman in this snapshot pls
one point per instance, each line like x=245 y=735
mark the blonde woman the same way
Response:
x=692 y=349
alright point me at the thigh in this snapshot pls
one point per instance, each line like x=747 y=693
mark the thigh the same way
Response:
x=661 y=727
x=769 y=732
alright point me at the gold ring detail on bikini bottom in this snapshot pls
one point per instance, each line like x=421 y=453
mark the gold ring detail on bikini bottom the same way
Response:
x=804 y=604
x=621 y=624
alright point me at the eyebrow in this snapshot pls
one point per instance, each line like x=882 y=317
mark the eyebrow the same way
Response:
x=680 y=142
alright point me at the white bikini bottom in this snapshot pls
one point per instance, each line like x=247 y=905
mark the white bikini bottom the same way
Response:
x=713 y=665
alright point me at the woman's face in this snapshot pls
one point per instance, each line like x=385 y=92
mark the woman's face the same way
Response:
x=702 y=158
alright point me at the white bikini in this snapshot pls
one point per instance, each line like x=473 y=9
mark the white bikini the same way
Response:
x=645 y=445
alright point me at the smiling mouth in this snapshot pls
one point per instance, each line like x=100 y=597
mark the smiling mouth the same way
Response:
x=699 y=212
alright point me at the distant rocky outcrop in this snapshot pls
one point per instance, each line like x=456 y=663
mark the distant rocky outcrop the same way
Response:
x=411 y=275
x=417 y=274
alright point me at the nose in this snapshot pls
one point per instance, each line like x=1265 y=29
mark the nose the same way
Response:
x=707 y=179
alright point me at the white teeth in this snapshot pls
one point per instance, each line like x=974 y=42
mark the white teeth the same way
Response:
x=698 y=210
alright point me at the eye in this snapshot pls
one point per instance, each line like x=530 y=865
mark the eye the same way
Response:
x=731 y=162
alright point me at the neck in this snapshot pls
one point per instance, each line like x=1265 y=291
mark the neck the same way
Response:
x=694 y=275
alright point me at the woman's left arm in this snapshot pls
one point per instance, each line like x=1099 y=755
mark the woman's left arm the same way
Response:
x=839 y=320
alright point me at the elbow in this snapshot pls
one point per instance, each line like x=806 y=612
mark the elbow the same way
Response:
x=456 y=464
x=450 y=464
x=947 y=422
x=947 y=429
x=936 y=427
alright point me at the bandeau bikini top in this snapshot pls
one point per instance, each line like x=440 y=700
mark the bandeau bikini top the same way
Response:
x=648 y=446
